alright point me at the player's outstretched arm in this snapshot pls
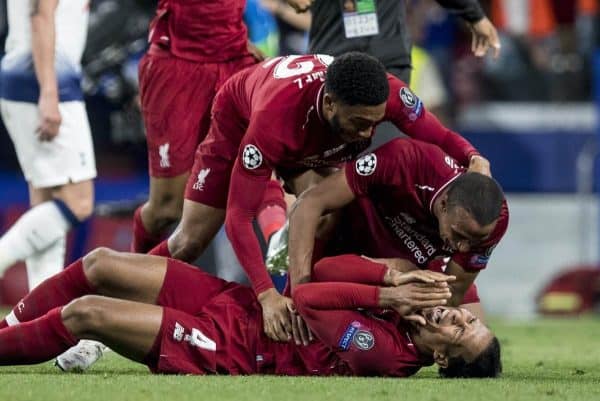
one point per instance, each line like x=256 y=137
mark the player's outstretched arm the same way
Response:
x=42 y=47
x=246 y=190
x=330 y=194
x=330 y=309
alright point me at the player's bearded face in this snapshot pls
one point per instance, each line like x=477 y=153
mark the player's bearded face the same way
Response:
x=455 y=332
x=354 y=123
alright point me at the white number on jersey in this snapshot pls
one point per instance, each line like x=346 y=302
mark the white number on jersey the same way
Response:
x=288 y=66
x=199 y=339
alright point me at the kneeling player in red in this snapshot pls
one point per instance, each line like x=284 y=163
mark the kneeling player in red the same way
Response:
x=410 y=201
x=176 y=319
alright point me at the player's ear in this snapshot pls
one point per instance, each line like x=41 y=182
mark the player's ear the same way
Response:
x=440 y=358
x=444 y=203
x=328 y=102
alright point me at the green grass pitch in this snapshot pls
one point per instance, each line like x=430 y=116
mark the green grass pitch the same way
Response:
x=543 y=360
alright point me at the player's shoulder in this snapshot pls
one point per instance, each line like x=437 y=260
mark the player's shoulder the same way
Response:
x=407 y=147
x=292 y=75
x=402 y=99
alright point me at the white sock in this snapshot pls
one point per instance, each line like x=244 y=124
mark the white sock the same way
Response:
x=46 y=263
x=37 y=229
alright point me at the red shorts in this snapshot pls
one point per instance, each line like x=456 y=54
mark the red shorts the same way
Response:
x=209 y=325
x=176 y=97
x=209 y=180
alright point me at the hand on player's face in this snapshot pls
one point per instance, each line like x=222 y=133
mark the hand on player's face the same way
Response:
x=460 y=231
x=455 y=332
x=354 y=123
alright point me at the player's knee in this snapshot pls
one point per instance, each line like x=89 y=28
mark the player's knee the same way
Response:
x=85 y=315
x=97 y=266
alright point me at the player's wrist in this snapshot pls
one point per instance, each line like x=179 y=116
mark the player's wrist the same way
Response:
x=386 y=297
x=49 y=92
x=266 y=294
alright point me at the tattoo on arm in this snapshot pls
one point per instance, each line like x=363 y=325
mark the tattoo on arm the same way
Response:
x=34 y=7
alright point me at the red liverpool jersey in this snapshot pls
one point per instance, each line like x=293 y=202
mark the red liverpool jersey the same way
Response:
x=396 y=187
x=201 y=30
x=277 y=107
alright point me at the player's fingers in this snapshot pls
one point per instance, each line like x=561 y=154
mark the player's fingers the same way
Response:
x=483 y=47
x=413 y=277
x=285 y=323
x=279 y=332
x=303 y=329
x=430 y=303
x=296 y=330
x=420 y=320
x=269 y=332
x=424 y=296
x=437 y=276
x=427 y=287
x=495 y=43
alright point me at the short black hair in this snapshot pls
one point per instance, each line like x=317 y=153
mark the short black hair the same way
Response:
x=356 y=78
x=487 y=364
x=481 y=196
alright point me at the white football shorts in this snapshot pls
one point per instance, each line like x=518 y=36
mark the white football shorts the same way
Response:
x=69 y=157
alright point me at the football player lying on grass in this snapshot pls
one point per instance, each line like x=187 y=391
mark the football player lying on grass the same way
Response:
x=368 y=320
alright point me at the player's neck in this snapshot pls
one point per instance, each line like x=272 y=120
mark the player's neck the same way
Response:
x=418 y=342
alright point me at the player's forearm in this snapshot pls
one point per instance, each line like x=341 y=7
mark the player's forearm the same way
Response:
x=458 y=291
x=43 y=45
x=304 y=220
x=429 y=129
x=238 y=227
x=469 y=10
x=335 y=296
x=351 y=269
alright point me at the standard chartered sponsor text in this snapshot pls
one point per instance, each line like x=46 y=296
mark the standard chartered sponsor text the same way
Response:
x=408 y=235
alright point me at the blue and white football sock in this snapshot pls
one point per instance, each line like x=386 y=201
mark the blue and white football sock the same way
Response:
x=47 y=263
x=35 y=231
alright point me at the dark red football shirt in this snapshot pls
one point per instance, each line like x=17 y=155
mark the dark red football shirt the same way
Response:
x=396 y=187
x=278 y=102
x=201 y=30
x=369 y=342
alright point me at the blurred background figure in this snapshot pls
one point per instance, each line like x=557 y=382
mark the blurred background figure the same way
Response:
x=292 y=26
x=43 y=110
